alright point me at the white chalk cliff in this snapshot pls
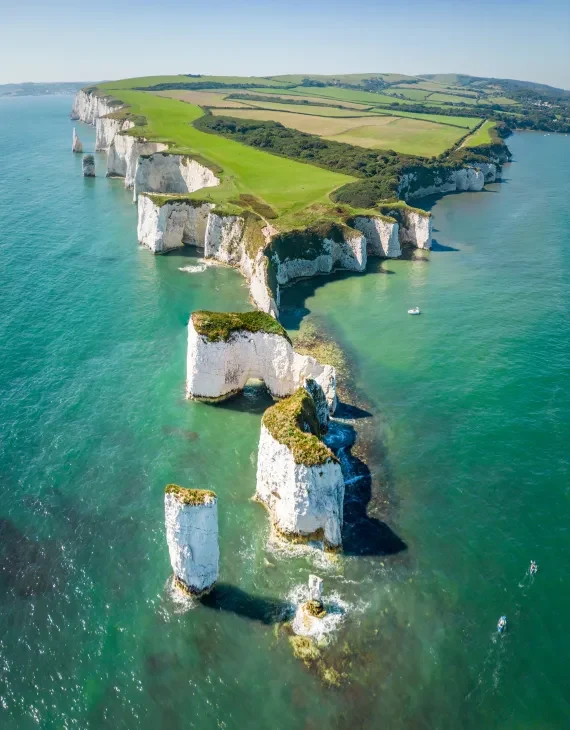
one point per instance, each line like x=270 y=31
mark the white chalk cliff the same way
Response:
x=466 y=179
x=105 y=130
x=191 y=518
x=163 y=226
x=304 y=498
x=415 y=228
x=218 y=369
x=165 y=173
x=76 y=144
x=123 y=155
x=89 y=106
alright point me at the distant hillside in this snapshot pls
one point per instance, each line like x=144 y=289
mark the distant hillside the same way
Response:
x=32 y=89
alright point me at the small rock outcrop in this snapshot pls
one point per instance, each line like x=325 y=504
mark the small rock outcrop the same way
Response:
x=191 y=517
x=416 y=227
x=76 y=144
x=88 y=166
x=226 y=349
x=299 y=479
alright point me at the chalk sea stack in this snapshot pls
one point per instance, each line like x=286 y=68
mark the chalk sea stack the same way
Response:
x=191 y=517
x=88 y=166
x=299 y=479
x=76 y=144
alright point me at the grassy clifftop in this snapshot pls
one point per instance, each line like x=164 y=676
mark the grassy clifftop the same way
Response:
x=293 y=422
x=220 y=326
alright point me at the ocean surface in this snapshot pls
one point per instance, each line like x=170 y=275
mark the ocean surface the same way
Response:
x=467 y=416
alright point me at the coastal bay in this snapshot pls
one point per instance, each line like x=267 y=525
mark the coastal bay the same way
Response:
x=468 y=407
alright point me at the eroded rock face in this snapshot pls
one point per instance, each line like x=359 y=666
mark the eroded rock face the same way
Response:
x=381 y=236
x=76 y=144
x=169 y=226
x=191 y=518
x=319 y=399
x=416 y=228
x=304 y=502
x=106 y=129
x=88 y=106
x=217 y=370
x=123 y=155
x=224 y=238
x=165 y=173
x=88 y=166
x=467 y=179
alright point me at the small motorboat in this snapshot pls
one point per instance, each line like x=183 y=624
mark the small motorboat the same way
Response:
x=415 y=310
x=502 y=625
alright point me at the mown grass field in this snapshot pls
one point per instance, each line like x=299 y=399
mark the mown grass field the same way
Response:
x=481 y=136
x=284 y=184
x=319 y=111
x=202 y=98
x=406 y=135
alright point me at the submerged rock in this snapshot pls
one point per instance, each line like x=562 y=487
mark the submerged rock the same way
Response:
x=88 y=166
x=76 y=144
x=191 y=517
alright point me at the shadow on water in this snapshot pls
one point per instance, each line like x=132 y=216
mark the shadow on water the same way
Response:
x=293 y=308
x=436 y=246
x=362 y=534
x=255 y=398
x=225 y=597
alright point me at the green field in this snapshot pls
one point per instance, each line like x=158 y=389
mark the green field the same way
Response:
x=146 y=81
x=404 y=135
x=407 y=136
x=481 y=136
x=319 y=111
x=284 y=184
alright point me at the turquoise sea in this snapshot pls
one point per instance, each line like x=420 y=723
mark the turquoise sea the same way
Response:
x=467 y=415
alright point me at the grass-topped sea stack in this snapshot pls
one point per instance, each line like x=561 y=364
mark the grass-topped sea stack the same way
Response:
x=299 y=479
x=226 y=349
x=191 y=517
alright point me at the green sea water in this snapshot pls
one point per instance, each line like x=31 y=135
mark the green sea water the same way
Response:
x=467 y=429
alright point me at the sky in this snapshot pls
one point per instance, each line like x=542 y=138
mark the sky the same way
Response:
x=103 y=39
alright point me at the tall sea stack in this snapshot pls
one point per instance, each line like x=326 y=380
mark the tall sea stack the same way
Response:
x=191 y=517
x=76 y=144
x=88 y=166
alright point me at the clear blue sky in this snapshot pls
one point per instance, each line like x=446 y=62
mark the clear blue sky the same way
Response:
x=100 y=39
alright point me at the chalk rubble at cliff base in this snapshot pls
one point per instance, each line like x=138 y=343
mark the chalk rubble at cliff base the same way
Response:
x=191 y=518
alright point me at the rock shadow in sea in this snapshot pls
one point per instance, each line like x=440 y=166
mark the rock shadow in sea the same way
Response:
x=293 y=308
x=361 y=533
x=225 y=597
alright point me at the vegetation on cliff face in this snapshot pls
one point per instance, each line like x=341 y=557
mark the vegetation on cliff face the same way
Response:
x=294 y=423
x=220 y=326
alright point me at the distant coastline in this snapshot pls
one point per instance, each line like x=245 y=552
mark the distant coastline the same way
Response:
x=39 y=89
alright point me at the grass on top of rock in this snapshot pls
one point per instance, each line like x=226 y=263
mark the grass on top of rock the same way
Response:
x=293 y=422
x=194 y=497
x=220 y=326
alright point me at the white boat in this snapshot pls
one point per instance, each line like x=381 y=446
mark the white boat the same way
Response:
x=415 y=310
